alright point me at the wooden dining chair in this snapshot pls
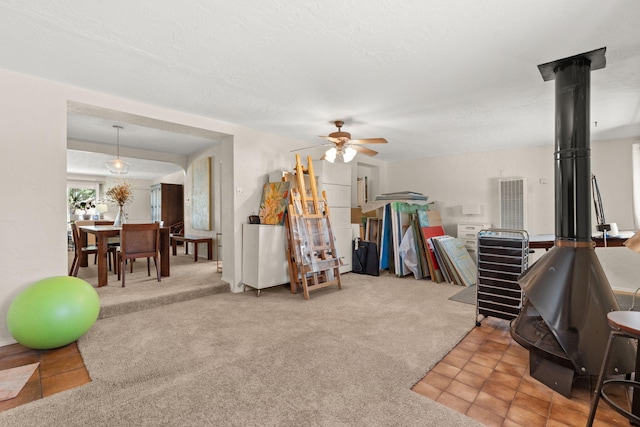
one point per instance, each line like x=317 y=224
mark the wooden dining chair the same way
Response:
x=113 y=242
x=90 y=241
x=138 y=241
x=81 y=250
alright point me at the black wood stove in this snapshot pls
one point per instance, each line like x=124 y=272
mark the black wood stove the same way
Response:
x=563 y=321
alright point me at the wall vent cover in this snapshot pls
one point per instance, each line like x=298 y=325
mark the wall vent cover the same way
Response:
x=513 y=203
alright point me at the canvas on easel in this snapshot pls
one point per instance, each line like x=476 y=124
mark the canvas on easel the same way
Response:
x=313 y=259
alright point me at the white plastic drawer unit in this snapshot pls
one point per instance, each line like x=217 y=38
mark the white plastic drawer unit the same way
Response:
x=468 y=233
x=468 y=230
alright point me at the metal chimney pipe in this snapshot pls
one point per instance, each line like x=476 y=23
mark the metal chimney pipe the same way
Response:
x=573 y=152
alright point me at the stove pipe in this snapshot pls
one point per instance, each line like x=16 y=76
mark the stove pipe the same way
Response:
x=567 y=296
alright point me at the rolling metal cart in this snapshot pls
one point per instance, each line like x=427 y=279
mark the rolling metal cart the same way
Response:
x=503 y=255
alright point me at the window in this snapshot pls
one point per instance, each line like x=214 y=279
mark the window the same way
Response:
x=81 y=198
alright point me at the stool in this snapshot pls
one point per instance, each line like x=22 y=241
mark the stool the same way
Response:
x=195 y=241
x=624 y=324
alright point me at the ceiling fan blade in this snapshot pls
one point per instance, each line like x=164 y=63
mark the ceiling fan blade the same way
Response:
x=369 y=141
x=364 y=150
x=311 y=146
x=304 y=148
x=332 y=139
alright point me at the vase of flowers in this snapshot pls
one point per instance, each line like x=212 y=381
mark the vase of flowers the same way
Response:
x=120 y=217
x=120 y=194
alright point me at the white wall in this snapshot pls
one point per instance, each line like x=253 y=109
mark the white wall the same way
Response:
x=454 y=180
x=174 y=178
x=138 y=210
x=611 y=164
x=33 y=176
x=255 y=157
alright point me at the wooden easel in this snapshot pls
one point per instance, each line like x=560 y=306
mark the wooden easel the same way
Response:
x=313 y=260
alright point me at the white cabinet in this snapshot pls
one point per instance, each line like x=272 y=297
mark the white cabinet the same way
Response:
x=337 y=195
x=264 y=259
x=335 y=180
x=468 y=234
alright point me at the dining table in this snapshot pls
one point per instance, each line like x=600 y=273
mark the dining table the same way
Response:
x=547 y=241
x=103 y=233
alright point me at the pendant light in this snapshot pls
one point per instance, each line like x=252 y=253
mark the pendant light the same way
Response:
x=118 y=166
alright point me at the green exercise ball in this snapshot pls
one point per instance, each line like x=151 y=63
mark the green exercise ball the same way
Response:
x=53 y=312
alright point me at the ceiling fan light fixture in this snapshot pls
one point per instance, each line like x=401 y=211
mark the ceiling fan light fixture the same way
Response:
x=118 y=166
x=349 y=154
x=345 y=148
x=340 y=154
x=330 y=155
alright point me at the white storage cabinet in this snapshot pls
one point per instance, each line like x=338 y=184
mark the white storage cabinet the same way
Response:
x=264 y=259
x=335 y=180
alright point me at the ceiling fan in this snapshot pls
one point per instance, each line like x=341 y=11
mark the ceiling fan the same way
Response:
x=345 y=148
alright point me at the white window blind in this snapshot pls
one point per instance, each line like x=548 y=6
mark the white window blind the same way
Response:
x=513 y=203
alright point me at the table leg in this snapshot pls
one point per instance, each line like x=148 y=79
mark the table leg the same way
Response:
x=102 y=260
x=210 y=249
x=84 y=262
x=195 y=251
x=164 y=253
x=635 y=402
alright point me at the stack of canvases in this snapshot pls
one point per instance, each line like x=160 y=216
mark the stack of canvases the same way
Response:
x=413 y=241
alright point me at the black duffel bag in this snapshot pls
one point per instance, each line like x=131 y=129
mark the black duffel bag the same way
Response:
x=365 y=258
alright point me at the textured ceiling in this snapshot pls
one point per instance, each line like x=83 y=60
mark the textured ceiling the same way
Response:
x=434 y=78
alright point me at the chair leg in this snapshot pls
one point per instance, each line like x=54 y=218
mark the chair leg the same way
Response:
x=603 y=372
x=73 y=271
x=124 y=270
x=148 y=267
x=155 y=261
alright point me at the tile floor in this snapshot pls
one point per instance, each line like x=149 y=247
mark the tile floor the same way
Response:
x=59 y=370
x=486 y=377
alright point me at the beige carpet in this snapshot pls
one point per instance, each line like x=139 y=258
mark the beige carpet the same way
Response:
x=343 y=358
x=188 y=280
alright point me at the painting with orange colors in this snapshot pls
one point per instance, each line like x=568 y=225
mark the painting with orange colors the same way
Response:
x=275 y=199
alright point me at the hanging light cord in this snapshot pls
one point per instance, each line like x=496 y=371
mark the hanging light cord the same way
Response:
x=118 y=140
